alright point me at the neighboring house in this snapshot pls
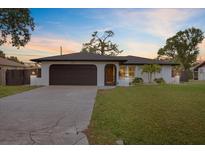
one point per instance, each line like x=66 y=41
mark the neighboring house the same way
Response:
x=93 y=69
x=9 y=64
x=6 y=64
x=199 y=71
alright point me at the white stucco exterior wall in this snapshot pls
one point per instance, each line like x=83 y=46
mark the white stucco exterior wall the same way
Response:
x=165 y=73
x=45 y=66
x=201 y=73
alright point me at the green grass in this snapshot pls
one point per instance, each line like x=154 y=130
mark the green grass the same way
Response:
x=11 y=90
x=149 y=114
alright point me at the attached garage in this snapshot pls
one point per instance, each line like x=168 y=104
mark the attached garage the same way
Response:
x=68 y=74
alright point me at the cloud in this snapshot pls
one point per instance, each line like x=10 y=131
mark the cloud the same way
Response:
x=143 y=49
x=42 y=46
x=149 y=49
x=161 y=23
x=52 y=44
x=158 y=22
x=142 y=24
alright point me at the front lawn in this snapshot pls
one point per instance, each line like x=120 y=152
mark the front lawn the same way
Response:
x=149 y=114
x=11 y=90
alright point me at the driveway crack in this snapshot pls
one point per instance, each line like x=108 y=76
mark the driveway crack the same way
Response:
x=31 y=138
x=46 y=130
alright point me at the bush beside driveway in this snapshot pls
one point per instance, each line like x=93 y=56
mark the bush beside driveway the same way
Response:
x=149 y=114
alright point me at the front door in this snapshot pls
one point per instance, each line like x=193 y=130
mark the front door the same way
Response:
x=110 y=74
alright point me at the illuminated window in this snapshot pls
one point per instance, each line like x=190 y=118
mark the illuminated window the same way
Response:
x=122 y=72
x=131 y=71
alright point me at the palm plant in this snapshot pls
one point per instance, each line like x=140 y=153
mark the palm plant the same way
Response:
x=150 y=70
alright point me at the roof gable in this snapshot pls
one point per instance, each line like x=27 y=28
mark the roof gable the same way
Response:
x=6 y=62
x=199 y=65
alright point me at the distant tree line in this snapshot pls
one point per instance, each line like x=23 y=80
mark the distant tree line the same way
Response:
x=12 y=58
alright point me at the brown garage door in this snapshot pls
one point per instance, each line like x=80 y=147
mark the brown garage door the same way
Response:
x=73 y=75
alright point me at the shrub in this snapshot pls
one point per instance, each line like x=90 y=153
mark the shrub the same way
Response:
x=137 y=80
x=159 y=80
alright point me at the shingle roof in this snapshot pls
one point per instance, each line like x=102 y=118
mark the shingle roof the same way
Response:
x=141 y=61
x=6 y=62
x=80 y=56
x=199 y=65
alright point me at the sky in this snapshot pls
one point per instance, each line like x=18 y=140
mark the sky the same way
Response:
x=138 y=32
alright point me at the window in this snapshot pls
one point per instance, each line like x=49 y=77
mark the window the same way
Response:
x=122 y=72
x=131 y=71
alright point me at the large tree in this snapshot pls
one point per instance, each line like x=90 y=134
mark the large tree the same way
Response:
x=15 y=26
x=183 y=47
x=101 y=44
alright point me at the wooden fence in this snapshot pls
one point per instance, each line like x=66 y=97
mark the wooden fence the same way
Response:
x=2 y=77
x=18 y=77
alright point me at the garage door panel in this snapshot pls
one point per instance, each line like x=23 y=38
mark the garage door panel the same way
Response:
x=73 y=75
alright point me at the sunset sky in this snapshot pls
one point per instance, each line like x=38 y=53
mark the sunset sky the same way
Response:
x=139 y=32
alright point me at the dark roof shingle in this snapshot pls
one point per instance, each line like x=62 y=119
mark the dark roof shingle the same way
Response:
x=80 y=56
x=141 y=61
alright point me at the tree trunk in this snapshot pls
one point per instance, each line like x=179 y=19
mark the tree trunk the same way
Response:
x=102 y=50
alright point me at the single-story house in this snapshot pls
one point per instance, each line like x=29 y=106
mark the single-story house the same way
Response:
x=6 y=64
x=199 y=71
x=93 y=69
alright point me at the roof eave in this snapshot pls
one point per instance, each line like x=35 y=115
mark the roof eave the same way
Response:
x=199 y=65
x=38 y=60
x=12 y=65
x=174 y=64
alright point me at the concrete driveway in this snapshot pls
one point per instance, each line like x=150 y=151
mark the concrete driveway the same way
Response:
x=47 y=115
